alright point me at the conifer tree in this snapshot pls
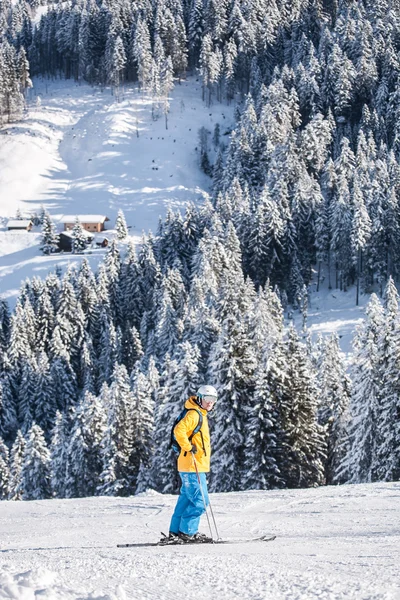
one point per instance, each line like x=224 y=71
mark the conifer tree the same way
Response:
x=334 y=396
x=59 y=455
x=16 y=460
x=50 y=238
x=264 y=435
x=78 y=237
x=231 y=370
x=304 y=459
x=364 y=403
x=4 y=471
x=386 y=463
x=43 y=395
x=117 y=476
x=121 y=226
x=84 y=448
x=163 y=469
x=143 y=428
x=142 y=53
x=115 y=62
x=36 y=467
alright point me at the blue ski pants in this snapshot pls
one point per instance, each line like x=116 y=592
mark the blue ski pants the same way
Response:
x=190 y=505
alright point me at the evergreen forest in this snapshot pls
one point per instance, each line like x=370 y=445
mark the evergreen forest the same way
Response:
x=95 y=367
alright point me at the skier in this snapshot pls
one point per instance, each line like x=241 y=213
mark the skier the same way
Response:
x=194 y=452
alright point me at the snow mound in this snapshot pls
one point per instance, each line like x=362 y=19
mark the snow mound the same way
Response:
x=149 y=493
x=42 y=583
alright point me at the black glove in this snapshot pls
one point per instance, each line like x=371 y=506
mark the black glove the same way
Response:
x=194 y=449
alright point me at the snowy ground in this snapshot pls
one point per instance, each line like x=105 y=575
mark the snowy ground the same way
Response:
x=333 y=311
x=83 y=152
x=332 y=543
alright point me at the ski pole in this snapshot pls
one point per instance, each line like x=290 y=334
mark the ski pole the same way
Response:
x=215 y=524
x=204 y=501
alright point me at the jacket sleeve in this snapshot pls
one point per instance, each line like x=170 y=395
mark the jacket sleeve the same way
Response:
x=185 y=428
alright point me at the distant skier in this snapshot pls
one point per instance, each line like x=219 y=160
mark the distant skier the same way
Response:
x=191 y=438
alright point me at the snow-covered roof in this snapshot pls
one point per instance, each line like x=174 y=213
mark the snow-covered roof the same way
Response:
x=83 y=218
x=70 y=234
x=20 y=223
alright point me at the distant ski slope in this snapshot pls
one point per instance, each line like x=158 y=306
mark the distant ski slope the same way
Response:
x=332 y=543
x=81 y=151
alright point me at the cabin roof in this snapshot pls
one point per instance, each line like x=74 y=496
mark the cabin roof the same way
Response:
x=20 y=223
x=84 y=218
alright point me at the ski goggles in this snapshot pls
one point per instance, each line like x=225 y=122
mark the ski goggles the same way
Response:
x=209 y=399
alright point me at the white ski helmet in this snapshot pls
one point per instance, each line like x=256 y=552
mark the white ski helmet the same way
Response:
x=206 y=392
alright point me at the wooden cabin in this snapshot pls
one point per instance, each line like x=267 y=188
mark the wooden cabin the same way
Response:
x=19 y=225
x=92 y=223
x=66 y=240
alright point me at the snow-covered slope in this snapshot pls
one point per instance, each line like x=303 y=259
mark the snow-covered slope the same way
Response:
x=333 y=542
x=83 y=152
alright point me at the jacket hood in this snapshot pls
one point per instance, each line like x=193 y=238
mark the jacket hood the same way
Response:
x=191 y=403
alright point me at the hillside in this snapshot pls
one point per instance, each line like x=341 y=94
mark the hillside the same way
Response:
x=81 y=151
x=332 y=543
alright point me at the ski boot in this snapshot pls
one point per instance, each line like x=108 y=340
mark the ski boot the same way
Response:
x=170 y=539
x=197 y=538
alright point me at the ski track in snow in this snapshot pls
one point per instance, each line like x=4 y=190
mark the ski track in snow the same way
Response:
x=332 y=543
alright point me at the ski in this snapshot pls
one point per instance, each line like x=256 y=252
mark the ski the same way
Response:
x=263 y=538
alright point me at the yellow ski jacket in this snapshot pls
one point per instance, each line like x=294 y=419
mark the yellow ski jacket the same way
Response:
x=201 y=440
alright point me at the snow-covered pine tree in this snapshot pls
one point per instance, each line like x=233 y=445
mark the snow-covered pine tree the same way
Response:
x=44 y=401
x=86 y=379
x=78 y=237
x=163 y=469
x=36 y=467
x=364 y=402
x=304 y=439
x=231 y=370
x=386 y=462
x=143 y=429
x=120 y=225
x=109 y=353
x=45 y=321
x=69 y=332
x=112 y=271
x=196 y=27
x=179 y=53
x=115 y=63
x=131 y=296
x=4 y=471
x=86 y=289
x=26 y=396
x=16 y=459
x=334 y=389
x=59 y=455
x=65 y=384
x=131 y=348
x=169 y=327
x=8 y=407
x=201 y=326
x=117 y=476
x=84 y=449
x=360 y=231
x=4 y=324
x=50 y=237
x=263 y=429
x=141 y=52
